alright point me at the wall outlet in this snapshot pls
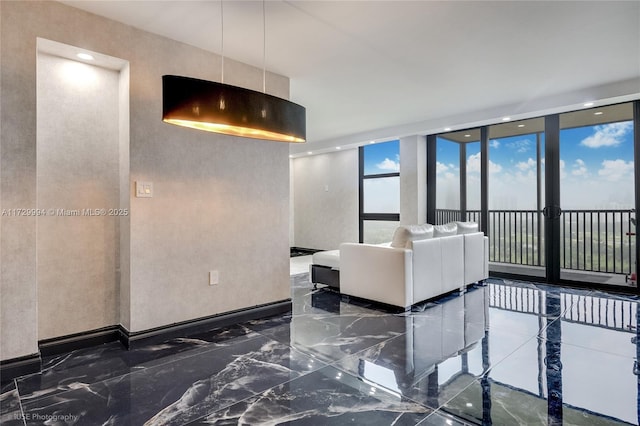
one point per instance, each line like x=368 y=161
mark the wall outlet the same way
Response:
x=214 y=278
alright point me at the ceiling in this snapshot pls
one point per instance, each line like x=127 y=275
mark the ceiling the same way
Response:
x=374 y=69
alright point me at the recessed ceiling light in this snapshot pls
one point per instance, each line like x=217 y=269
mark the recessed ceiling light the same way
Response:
x=309 y=152
x=467 y=136
x=85 y=56
x=337 y=147
x=506 y=118
x=372 y=142
x=520 y=125
x=588 y=104
x=447 y=129
x=598 y=113
x=291 y=156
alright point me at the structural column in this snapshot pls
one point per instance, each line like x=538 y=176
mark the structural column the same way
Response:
x=484 y=180
x=636 y=168
x=413 y=182
x=552 y=211
x=431 y=178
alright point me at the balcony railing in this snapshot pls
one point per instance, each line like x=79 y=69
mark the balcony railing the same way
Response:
x=610 y=313
x=590 y=240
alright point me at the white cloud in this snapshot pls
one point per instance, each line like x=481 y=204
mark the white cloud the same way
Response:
x=526 y=165
x=579 y=168
x=382 y=196
x=607 y=135
x=522 y=145
x=494 y=143
x=473 y=164
x=441 y=167
x=388 y=164
x=616 y=170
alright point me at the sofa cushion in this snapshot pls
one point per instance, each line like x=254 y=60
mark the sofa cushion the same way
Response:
x=330 y=258
x=466 y=227
x=405 y=234
x=446 y=230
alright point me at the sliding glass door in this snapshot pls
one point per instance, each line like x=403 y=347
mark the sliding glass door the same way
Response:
x=557 y=193
x=516 y=194
x=597 y=184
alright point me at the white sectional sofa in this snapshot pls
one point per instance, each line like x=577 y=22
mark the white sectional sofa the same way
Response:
x=421 y=262
x=454 y=327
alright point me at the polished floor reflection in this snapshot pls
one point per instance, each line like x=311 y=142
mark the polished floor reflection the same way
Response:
x=502 y=353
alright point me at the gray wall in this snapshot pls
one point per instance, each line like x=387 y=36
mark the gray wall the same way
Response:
x=323 y=219
x=78 y=168
x=326 y=199
x=220 y=202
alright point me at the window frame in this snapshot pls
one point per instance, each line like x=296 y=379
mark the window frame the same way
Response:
x=391 y=217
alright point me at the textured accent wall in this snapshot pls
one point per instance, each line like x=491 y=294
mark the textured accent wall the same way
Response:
x=326 y=199
x=220 y=202
x=78 y=169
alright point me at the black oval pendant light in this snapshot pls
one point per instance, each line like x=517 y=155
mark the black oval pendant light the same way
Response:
x=231 y=110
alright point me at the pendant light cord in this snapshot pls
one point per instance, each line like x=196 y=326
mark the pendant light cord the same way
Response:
x=222 y=39
x=264 y=47
x=264 y=44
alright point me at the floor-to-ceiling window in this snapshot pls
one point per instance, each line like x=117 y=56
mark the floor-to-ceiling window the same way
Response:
x=559 y=192
x=597 y=194
x=448 y=179
x=450 y=167
x=473 y=178
x=458 y=176
x=379 y=191
x=516 y=191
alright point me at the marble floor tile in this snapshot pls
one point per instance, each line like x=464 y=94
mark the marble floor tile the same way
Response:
x=504 y=352
x=326 y=396
x=440 y=418
x=324 y=301
x=299 y=265
x=180 y=391
x=301 y=280
x=550 y=383
x=10 y=411
x=86 y=366
x=331 y=338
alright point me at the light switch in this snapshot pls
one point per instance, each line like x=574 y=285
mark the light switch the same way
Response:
x=214 y=278
x=144 y=189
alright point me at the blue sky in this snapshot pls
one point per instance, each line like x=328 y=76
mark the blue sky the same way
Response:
x=596 y=169
x=382 y=157
x=596 y=165
x=382 y=195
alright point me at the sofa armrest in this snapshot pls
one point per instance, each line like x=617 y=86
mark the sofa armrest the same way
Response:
x=452 y=262
x=378 y=273
x=475 y=257
x=486 y=257
x=427 y=269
